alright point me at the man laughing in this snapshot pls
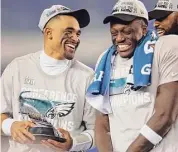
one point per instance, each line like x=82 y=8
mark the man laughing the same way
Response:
x=135 y=88
x=166 y=17
x=46 y=89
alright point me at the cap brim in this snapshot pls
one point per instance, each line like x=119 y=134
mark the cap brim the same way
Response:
x=81 y=15
x=123 y=17
x=158 y=14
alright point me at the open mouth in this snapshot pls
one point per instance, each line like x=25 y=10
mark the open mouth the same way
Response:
x=70 y=47
x=160 y=32
x=123 y=47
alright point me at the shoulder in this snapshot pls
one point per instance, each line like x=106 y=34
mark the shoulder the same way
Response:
x=15 y=61
x=167 y=42
x=82 y=68
x=166 y=58
x=25 y=58
x=166 y=46
x=22 y=60
x=168 y=38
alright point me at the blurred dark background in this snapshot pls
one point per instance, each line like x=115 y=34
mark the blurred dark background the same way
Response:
x=20 y=34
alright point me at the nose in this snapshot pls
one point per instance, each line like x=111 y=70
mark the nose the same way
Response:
x=120 y=37
x=75 y=38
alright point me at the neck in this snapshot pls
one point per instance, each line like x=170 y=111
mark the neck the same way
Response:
x=53 y=53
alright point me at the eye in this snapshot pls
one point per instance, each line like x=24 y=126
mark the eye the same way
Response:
x=78 y=34
x=127 y=31
x=68 y=32
x=114 y=33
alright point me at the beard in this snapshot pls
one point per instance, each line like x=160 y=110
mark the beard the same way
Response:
x=174 y=30
x=69 y=47
x=69 y=53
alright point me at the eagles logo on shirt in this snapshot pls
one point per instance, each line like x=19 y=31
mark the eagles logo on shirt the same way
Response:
x=61 y=110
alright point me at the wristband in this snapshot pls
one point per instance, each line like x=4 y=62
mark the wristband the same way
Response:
x=81 y=142
x=6 y=126
x=149 y=134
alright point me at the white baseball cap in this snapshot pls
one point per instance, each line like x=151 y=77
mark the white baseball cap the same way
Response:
x=81 y=15
x=128 y=10
x=163 y=8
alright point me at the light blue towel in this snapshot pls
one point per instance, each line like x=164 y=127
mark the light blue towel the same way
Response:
x=98 y=91
x=142 y=61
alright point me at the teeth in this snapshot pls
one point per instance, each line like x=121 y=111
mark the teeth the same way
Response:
x=123 y=47
x=160 y=32
x=70 y=45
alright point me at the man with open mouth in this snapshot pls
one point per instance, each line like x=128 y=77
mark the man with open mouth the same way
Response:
x=135 y=88
x=47 y=88
x=166 y=17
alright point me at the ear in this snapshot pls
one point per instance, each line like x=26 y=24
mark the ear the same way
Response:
x=48 y=33
x=144 y=28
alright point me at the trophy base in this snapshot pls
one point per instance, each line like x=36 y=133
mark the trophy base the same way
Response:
x=44 y=133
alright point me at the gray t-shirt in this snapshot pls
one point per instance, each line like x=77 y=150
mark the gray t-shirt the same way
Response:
x=29 y=93
x=132 y=109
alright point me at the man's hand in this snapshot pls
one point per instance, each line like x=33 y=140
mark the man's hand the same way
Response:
x=58 y=146
x=102 y=136
x=19 y=132
x=166 y=112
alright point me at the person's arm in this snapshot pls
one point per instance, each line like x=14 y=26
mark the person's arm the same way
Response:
x=166 y=111
x=102 y=133
x=166 y=102
x=86 y=139
x=9 y=126
x=6 y=95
